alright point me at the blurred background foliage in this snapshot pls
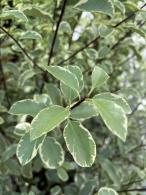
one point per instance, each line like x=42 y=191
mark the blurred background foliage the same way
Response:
x=120 y=50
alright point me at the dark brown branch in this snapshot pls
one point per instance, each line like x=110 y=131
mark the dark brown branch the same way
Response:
x=120 y=40
x=128 y=17
x=18 y=44
x=133 y=190
x=79 y=50
x=5 y=85
x=56 y=32
x=78 y=103
x=98 y=37
x=137 y=106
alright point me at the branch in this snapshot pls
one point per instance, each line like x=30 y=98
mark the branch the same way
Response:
x=78 y=103
x=21 y=47
x=98 y=37
x=4 y=84
x=56 y=31
x=79 y=50
x=128 y=17
x=133 y=190
x=137 y=106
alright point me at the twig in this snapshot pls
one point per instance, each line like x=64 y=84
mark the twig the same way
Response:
x=137 y=106
x=56 y=32
x=4 y=84
x=98 y=37
x=78 y=51
x=78 y=103
x=133 y=190
x=19 y=45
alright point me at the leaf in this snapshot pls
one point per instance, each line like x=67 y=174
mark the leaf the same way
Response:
x=31 y=35
x=1 y=120
x=88 y=187
x=107 y=191
x=62 y=174
x=51 y=153
x=110 y=170
x=114 y=117
x=101 y=6
x=14 y=14
x=103 y=52
x=65 y=76
x=136 y=29
x=84 y=111
x=22 y=128
x=13 y=167
x=36 y=12
x=27 y=149
x=117 y=99
x=120 y=6
x=77 y=72
x=47 y=119
x=26 y=106
x=25 y=76
x=9 y=152
x=54 y=93
x=99 y=77
x=104 y=30
x=27 y=171
x=68 y=92
x=80 y=143
x=43 y=98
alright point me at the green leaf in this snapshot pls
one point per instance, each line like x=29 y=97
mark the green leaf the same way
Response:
x=22 y=128
x=26 y=106
x=25 y=76
x=27 y=149
x=13 y=167
x=14 y=14
x=51 y=153
x=110 y=170
x=88 y=187
x=31 y=35
x=9 y=152
x=84 y=111
x=69 y=94
x=1 y=120
x=107 y=191
x=80 y=143
x=114 y=117
x=120 y=6
x=65 y=76
x=101 y=6
x=47 y=119
x=117 y=99
x=99 y=77
x=77 y=72
x=54 y=93
x=43 y=98
x=136 y=29
x=104 y=30
x=62 y=174
x=27 y=171
x=36 y=12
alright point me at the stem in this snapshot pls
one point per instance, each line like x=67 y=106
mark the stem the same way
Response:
x=19 y=45
x=56 y=32
x=98 y=37
x=4 y=84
